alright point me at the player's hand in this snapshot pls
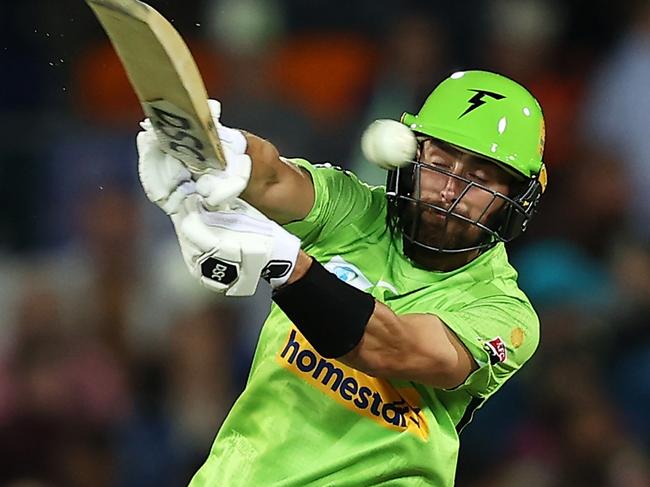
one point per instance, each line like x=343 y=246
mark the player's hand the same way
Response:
x=219 y=187
x=166 y=181
x=228 y=250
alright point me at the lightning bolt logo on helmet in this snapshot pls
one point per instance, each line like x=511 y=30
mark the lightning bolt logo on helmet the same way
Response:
x=477 y=100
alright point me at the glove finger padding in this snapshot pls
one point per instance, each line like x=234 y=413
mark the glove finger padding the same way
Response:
x=162 y=175
x=146 y=124
x=219 y=187
x=215 y=108
x=164 y=179
x=233 y=138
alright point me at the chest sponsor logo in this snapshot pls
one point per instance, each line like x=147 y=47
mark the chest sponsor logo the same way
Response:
x=376 y=399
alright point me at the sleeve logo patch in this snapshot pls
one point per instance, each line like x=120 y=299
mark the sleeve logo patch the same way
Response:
x=517 y=337
x=348 y=273
x=496 y=349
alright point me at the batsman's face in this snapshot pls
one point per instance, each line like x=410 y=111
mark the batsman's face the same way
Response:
x=459 y=187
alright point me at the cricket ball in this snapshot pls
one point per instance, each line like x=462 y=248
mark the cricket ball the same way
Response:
x=388 y=144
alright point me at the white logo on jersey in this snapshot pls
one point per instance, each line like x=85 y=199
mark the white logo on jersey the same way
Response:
x=348 y=273
x=352 y=275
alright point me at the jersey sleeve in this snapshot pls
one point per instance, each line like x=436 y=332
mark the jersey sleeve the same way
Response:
x=501 y=333
x=340 y=199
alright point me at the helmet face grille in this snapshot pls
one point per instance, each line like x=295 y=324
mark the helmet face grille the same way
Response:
x=407 y=210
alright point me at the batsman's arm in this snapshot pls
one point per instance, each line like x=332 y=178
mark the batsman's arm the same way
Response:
x=415 y=347
x=280 y=190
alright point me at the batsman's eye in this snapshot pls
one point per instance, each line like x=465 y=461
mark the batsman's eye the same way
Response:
x=478 y=177
x=441 y=165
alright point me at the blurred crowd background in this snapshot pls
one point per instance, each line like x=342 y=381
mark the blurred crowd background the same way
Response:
x=116 y=369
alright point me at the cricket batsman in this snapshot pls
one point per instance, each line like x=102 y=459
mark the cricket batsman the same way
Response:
x=396 y=313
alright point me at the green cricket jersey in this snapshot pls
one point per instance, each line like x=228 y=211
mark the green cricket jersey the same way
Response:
x=303 y=420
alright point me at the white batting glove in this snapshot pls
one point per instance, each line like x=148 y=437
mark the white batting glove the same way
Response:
x=228 y=250
x=231 y=182
x=167 y=181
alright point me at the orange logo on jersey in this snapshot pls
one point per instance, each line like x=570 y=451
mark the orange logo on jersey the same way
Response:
x=374 y=398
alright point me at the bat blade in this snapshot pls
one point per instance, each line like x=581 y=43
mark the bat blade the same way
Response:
x=166 y=80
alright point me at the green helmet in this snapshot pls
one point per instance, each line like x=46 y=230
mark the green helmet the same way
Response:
x=487 y=114
x=493 y=117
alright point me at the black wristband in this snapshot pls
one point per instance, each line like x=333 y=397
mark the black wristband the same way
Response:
x=331 y=314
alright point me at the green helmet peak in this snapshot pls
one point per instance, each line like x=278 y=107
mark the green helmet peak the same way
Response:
x=486 y=114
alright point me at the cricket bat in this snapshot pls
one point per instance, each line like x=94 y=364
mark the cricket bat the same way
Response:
x=166 y=80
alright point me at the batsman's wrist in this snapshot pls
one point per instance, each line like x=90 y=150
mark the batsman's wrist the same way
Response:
x=308 y=302
x=284 y=259
x=303 y=263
